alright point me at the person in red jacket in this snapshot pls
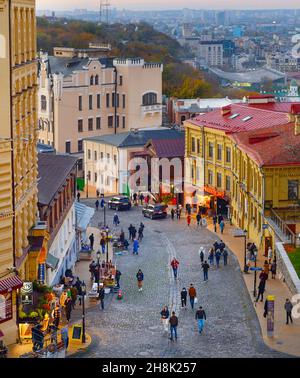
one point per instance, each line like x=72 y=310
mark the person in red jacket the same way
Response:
x=188 y=219
x=174 y=265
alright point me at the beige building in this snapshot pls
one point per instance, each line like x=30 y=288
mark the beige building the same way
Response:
x=92 y=96
x=18 y=162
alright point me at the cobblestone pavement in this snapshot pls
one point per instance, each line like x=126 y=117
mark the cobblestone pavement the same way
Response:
x=131 y=327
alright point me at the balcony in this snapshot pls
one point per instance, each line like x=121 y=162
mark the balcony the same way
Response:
x=151 y=109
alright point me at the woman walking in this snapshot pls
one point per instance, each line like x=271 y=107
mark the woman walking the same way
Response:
x=140 y=279
x=183 y=296
x=165 y=318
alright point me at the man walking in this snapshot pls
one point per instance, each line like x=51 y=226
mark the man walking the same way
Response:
x=192 y=295
x=205 y=268
x=173 y=325
x=135 y=247
x=188 y=219
x=172 y=214
x=288 y=306
x=218 y=257
x=200 y=317
x=222 y=226
x=261 y=290
x=225 y=256
x=101 y=296
x=215 y=219
x=97 y=205
x=201 y=254
x=116 y=220
x=174 y=265
x=118 y=276
x=140 y=279
x=92 y=239
x=198 y=218
x=183 y=296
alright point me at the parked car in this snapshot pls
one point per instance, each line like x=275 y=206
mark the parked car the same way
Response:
x=119 y=203
x=155 y=211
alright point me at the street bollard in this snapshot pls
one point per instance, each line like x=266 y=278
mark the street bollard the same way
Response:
x=270 y=315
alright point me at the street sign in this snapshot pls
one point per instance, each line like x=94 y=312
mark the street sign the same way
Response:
x=265 y=226
x=253 y=268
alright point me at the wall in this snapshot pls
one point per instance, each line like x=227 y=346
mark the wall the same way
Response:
x=286 y=268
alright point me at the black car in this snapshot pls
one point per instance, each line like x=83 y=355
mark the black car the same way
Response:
x=155 y=211
x=119 y=203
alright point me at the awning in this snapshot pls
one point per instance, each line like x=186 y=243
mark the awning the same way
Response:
x=52 y=261
x=84 y=215
x=11 y=283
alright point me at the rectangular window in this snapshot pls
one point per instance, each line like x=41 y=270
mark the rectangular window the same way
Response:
x=124 y=101
x=118 y=100
x=108 y=157
x=98 y=101
x=95 y=155
x=98 y=123
x=107 y=100
x=219 y=180
x=80 y=164
x=95 y=177
x=89 y=175
x=228 y=182
x=43 y=103
x=123 y=122
x=120 y=80
x=115 y=159
x=228 y=155
x=193 y=145
x=110 y=121
x=90 y=124
x=90 y=102
x=68 y=147
x=210 y=150
x=113 y=100
x=101 y=156
x=118 y=121
x=198 y=146
x=79 y=145
x=210 y=177
x=219 y=154
x=80 y=125
x=89 y=154
x=293 y=193
x=80 y=103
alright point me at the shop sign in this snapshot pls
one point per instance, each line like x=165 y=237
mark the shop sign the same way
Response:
x=6 y=312
x=214 y=192
x=41 y=273
x=26 y=293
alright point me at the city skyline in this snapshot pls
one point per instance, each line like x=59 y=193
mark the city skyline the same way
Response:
x=165 y=5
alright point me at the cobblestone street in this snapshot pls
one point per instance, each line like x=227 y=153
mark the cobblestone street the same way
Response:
x=131 y=327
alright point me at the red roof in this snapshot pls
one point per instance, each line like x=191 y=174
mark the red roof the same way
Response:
x=258 y=96
x=295 y=109
x=249 y=117
x=285 y=107
x=10 y=283
x=169 y=148
x=269 y=148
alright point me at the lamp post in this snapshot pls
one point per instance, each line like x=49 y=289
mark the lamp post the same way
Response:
x=83 y=287
x=255 y=274
x=104 y=214
x=98 y=265
x=243 y=234
x=107 y=231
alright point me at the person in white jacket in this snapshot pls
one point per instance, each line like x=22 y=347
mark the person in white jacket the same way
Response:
x=270 y=254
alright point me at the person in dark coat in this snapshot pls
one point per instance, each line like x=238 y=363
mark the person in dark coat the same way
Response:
x=218 y=257
x=172 y=214
x=183 y=296
x=205 y=268
x=92 y=239
x=225 y=256
x=215 y=219
x=165 y=317
x=130 y=228
x=68 y=308
x=78 y=197
x=140 y=233
x=198 y=218
x=140 y=279
x=273 y=269
x=173 y=325
x=288 y=306
x=122 y=237
x=200 y=316
x=134 y=231
x=97 y=205
x=118 y=276
x=261 y=290
x=101 y=296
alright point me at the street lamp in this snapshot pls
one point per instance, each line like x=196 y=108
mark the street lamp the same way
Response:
x=104 y=214
x=83 y=287
x=98 y=264
x=107 y=231
x=243 y=234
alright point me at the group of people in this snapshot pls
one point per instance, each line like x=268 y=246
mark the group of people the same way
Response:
x=219 y=219
x=140 y=197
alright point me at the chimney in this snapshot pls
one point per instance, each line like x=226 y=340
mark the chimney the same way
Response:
x=226 y=110
x=294 y=116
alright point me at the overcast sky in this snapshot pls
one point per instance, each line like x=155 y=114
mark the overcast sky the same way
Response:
x=169 y=4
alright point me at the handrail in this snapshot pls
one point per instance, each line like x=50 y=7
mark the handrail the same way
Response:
x=287 y=232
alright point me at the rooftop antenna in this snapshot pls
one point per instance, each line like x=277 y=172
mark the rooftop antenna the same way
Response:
x=104 y=11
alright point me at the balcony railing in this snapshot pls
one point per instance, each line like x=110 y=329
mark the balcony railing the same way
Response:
x=284 y=228
x=150 y=109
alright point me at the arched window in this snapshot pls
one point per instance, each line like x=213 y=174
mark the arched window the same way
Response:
x=96 y=80
x=150 y=98
x=92 y=80
x=183 y=119
x=43 y=103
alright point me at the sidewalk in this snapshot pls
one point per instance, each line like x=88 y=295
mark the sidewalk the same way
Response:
x=286 y=337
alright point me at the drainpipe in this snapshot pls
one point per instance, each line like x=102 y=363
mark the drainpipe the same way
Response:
x=115 y=104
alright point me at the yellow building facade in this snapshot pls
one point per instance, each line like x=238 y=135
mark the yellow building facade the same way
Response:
x=253 y=191
x=18 y=136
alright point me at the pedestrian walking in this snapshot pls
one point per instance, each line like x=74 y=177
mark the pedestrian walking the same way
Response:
x=65 y=336
x=288 y=306
x=183 y=297
x=174 y=265
x=200 y=316
x=221 y=245
x=267 y=268
x=140 y=234
x=198 y=218
x=261 y=290
x=102 y=203
x=130 y=228
x=205 y=267
x=220 y=218
x=222 y=226
x=74 y=294
x=116 y=220
x=215 y=219
x=101 y=296
x=97 y=193
x=78 y=196
x=92 y=239
x=188 y=219
x=218 y=257
x=92 y=267
x=97 y=205
x=122 y=237
x=118 y=276
x=140 y=279
x=201 y=254
x=211 y=256
x=225 y=256
x=273 y=269
x=141 y=198
x=192 y=295
x=173 y=325
x=270 y=255
x=172 y=214
x=133 y=233
x=68 y=308
x=56 y=315
x=135 y=198
x=178 y=212
x=165 y=318
x=136 y=247
x=102 y=244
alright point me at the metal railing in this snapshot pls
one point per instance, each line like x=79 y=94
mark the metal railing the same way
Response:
x=284 y=228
